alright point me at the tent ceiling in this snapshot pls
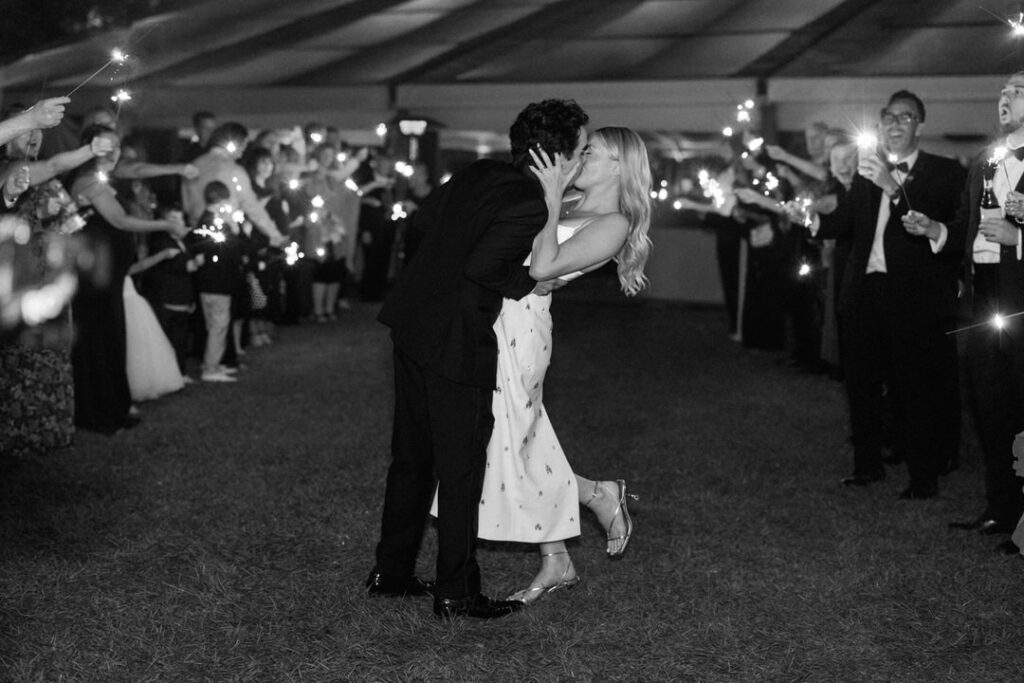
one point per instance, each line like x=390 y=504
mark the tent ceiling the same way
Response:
x=325 y=43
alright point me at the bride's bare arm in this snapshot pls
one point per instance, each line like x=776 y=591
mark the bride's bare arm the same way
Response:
x=592 y=246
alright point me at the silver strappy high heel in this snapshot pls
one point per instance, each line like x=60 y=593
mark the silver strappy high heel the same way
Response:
x=535 y=593
x=620 y=508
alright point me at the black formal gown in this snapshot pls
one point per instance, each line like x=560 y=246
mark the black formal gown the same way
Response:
x=98 y=355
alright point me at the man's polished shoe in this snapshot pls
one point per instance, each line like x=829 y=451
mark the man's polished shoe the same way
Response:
x=862 y=479
x=984 y=525
x=397 y=586
x=478 y=606
x=919 y=492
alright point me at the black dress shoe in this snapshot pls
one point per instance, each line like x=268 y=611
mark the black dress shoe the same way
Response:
x=397 y=586
x=918 y=492
x=984 y=525
x=862 y=479
x=478 y=606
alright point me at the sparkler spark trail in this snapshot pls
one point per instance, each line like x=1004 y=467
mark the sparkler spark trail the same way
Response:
x=997 y=321
x=116 y=56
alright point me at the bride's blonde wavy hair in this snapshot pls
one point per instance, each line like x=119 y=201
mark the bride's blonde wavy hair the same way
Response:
x=634 y=203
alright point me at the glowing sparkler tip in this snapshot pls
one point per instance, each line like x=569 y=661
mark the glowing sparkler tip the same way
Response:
x=755 y=144
x=998 y=321
x=727 y=131
x=102 y=177
x=893 y=158
x=316 y=137
x=805 y=269
x=293 y=184
x=382 y=129
x=117 y=55
x=743 y=116
x=121 y=96
x=231 y=146
x=351 y=184
x=749 y=104
x=317 y=201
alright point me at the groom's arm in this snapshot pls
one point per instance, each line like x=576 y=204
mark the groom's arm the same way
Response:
x=496 y=261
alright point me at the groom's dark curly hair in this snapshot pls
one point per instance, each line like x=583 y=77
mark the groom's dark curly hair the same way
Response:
x=554 y=125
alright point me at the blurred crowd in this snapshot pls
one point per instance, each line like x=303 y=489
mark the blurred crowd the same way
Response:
x=127 y=280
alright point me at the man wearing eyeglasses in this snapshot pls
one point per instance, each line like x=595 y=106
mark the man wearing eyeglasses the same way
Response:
x=993 y=286
x=899 y=299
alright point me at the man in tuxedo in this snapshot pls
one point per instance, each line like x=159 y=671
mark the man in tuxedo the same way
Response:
x=994 y=285
x=899 y=300
x=477 y=230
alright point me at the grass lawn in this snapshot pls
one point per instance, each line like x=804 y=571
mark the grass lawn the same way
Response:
x=227 y=537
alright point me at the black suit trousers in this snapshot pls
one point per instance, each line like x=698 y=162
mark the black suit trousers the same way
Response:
x=889 y=347
x=995 y=369
x=441 y=429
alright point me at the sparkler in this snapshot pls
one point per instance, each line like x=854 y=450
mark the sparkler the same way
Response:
x=998 y=321
x=102 y=177
x=120 y=97
x=1016 y=24
x=292 y=254
x=117 y=56
x=293 y=184
x=712 y=188
x=404 y=169
x=398 y=212
x=893 y=159
x=382 y=130
x=217 y=236
x=351 y=184
x=805 y=269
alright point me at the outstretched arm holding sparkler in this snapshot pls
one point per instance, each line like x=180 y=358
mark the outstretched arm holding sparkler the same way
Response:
x=47 y=169
x=43 y=114
x=132 y=170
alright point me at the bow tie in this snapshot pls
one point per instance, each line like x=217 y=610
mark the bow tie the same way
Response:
x=901 y=167
x=1019 y=153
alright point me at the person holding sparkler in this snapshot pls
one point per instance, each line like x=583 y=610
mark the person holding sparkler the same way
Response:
x=218 y=277
x=898 y=300
x=102 y=394
x=994 y=291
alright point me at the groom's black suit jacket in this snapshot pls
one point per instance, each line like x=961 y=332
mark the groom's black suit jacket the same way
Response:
x=477 y=230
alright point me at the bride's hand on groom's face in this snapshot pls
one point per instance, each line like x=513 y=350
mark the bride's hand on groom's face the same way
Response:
x=554 y=174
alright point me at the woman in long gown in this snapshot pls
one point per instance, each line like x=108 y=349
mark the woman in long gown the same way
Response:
x=99 y=353
x=530 y=492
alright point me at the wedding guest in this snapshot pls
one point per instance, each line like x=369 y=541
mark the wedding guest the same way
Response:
x=203 y=125
x=993 y=285
x=168 y=287
x=216 y=279
x=220 y=163
x=899 y=299
x=102 y=394
x=376 y=229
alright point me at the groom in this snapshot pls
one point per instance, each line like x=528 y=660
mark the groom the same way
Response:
x=478 y=229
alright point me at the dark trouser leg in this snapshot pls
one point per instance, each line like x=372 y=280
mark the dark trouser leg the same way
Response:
x=996 y=375
x=865 y=373
x=462 y=422
x=924 y=376
x=440 y=428
x=410 y=481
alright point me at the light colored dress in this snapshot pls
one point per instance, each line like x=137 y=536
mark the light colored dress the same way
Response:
x=152 y=366
x=529 y=492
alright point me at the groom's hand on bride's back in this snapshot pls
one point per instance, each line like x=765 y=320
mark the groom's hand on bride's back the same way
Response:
x=547 y=286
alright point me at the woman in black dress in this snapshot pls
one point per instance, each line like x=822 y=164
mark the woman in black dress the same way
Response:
x=102 y=397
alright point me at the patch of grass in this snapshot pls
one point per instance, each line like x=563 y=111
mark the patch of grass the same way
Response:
x=227 y=537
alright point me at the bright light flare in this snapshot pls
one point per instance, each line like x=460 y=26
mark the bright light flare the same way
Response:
x=121 y=96
x=727 y=131
x=805 y=269
x=999 y=322
x=351 y=184
x=398 y=211
x=382 y=129
x=755 y=144
x=404 y=169
x=867 y=140
x=998 y=154
x=293 y=184
x=117 y=56
x=317 y=202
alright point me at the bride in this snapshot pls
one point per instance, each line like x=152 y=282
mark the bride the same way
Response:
x=530 y=492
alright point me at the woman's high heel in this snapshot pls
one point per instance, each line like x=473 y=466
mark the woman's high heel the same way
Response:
x=535 y=593
x=621 y=508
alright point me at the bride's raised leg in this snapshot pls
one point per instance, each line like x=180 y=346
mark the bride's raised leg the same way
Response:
x=556 y=572
x=608 y=500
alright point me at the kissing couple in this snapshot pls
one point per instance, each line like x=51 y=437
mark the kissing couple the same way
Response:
x=471 y=326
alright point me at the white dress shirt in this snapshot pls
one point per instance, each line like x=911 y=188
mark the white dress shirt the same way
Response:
x=876 y=259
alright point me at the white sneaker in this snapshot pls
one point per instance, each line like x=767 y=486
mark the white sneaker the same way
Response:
x=217 y=376
x=225 y=370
